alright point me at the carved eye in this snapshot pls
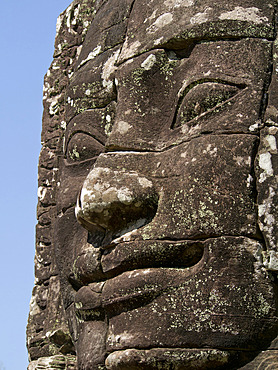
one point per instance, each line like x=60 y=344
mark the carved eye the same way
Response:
x=203 y=98
x=83 y=146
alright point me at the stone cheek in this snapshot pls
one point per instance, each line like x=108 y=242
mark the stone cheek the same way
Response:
x=216 y=167
x=204 y=185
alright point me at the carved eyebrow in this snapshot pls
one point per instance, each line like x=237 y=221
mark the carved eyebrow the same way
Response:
x=184 y=47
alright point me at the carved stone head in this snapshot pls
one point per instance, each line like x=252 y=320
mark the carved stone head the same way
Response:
x=164 y=221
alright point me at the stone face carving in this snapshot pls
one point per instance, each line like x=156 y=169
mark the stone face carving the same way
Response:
x=157 y=232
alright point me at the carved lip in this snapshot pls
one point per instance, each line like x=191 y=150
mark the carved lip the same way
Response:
x=135 y=288
x=93 y=265
x=135 y=273
x=129 y=290
x=148 y=254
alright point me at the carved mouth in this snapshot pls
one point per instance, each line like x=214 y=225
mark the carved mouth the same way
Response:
x=133 y=289
x=127 y=291
x=135 y=255
x=97 y=264
x=135 y=273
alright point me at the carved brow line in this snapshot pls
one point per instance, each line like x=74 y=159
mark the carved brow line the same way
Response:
x=176 y=44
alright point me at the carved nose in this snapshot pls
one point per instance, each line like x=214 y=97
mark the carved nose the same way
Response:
x=115 y=202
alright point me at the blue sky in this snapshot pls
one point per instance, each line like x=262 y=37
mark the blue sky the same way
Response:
x=27 y=39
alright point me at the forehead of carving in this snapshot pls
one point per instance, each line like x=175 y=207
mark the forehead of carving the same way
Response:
x=173 y=22
x=107 y=30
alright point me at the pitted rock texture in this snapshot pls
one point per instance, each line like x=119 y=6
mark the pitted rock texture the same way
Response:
x=156 y=243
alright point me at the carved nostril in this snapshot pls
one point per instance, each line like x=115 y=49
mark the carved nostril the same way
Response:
x=115 y=201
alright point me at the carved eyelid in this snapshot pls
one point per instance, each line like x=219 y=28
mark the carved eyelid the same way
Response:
x=184 y=91
x=69 y=138
x=78 y=153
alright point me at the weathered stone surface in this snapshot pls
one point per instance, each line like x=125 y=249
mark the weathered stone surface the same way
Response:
x=157 y=202
x=107 y=31
x=267 y=185
x=53 y=362
x=91 y=345
x=195 y=307
x=265 y=360
x=47 y=313
x=214 y=73
x=174 y=23
x=156 y=358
